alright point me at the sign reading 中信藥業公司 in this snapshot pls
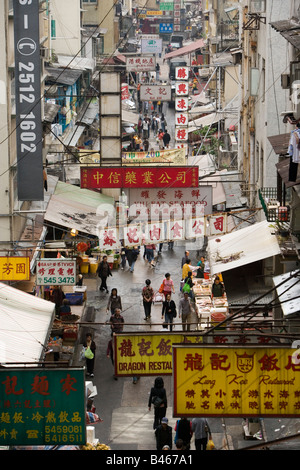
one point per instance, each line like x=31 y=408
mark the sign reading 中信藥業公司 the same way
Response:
x=235 y=381
x=139 y=177
x=147 y=353
x=14 y=268
x=41 y=406
x=155 y=92
x=29 y=137
x=56 y=271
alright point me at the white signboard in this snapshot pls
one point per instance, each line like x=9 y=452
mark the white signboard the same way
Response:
x=181 y=119
x=167 y=203
x=140 y=64
x=151 y=46
x=182 y=103
x=156 y=92
x=56 y=271
x=182 y=73
x=181 y=88
x=109 y=239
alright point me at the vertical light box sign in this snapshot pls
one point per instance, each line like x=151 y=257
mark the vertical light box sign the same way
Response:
x=28 y=101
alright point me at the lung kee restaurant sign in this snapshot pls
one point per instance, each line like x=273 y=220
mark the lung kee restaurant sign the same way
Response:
x=243 y=381
x=142 y=177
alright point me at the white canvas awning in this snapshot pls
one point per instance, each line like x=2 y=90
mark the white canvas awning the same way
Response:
x=25 y=321
x=288 y=292
x=207 y=120
x=242 y=247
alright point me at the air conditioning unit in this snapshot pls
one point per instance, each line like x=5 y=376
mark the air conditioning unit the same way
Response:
x=285 y=81
x=295 y=98
x=258 y=6
x=45 y=53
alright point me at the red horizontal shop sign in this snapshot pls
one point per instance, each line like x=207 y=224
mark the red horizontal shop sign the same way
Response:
x=141 y=177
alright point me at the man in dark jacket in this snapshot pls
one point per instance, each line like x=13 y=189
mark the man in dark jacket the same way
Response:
x=103 y=272
x=163 y=434
x=166 y=139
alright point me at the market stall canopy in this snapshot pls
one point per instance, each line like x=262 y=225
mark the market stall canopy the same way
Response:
x=188 y=49
x=81 y=209
x=127 y=116
x=289 y=292
x=241 y=247
x=26 y=322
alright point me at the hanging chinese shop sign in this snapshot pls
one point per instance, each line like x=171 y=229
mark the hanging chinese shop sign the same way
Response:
x=181 y=88
x=235 y=382
x=14 y=268
x=182 y=73
x=181 y=203
x=147 y=353
x=156 y=92
x=56 y=271
x=141 y=177
x=140 y=64
x=181 y=104
x=181 y=119
x=42 y=407
x=158 y=157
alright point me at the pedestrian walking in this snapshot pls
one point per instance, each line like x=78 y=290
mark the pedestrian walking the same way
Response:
x=114 y=301
x=183 y=431
x=90 y=350
x=166 y=139
x=150 y=253
x=185 y=311
x=157 y=69
x=185 y=258
x=163 y=122
x=158 y=398
x=200 y=268
x=134 y=255
x=169 y=310
x=188 y=283
x=167 y=286
x=117 y=321
x=58 y=296
x=103 y=272
x=110 y=353
x=148 y=297
x=201 y=430
x=163 y=435
x=146 y=145
x=160 y=139
x=123 y=258
x=146 y=128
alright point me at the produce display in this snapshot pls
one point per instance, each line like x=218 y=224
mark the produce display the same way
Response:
x=95 y=447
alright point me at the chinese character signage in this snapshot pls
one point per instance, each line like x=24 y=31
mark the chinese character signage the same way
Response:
x=181 y=133
x=166 y=6
x=140 y=64
x=159 y=157
x=109 y=239
x=139 y=177
x=42 y=407
x=56 y=271
x=181 y=73
x=218 y=224
x=125 y=95
x=217 y=381
x=181 y=203
x=181 y=104
x=166 y=28
x=181 y=88
x=156 y=92
x=147 y=353
x=181 y=119
x=14 y=268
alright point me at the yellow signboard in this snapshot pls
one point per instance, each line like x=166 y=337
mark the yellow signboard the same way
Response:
x=14 y=268
x=159 y=157
x=147 y=353
x=154 y=13
x=231 y=382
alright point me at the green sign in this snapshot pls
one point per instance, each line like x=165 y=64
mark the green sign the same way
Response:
x=166 y=6
x=42 y=406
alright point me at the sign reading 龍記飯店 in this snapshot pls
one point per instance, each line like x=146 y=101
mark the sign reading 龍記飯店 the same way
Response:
x=147 y=353
x=14 y=268
x=56 y=271
x=229 y=381
x=41 y=406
